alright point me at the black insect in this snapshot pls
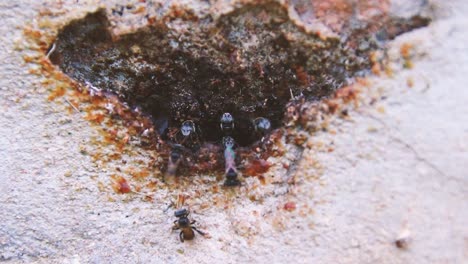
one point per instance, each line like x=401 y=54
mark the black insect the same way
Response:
x=262 y=125
x=227 y=123
x=231 y=178
x=190 y=134
x=185 y=226
x=187 y=128
x=174 y=160
x=229 y=162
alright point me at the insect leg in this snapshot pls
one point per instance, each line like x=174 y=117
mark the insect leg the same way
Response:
x=198 y=231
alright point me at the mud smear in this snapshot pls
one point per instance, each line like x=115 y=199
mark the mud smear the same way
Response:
x=251 y=63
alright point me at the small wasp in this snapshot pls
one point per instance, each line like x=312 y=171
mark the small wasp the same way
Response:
x=174 y=160
x=262 y=125
x=230 y=164
x=184 y=224
x=187 y=128
x=189 y=132
x=227 y=123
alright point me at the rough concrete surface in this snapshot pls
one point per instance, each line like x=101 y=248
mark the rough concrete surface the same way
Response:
x=398 y=169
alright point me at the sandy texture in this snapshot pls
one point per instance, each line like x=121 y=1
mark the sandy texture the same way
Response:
x=395 y=167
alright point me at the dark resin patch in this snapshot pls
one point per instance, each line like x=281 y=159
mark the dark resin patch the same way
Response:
x=249 y=63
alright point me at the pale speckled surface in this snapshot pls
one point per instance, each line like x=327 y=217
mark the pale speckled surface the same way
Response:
x=399 y=164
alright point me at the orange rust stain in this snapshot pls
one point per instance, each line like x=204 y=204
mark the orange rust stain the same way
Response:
x=32 y=32
x=405 y=50
x=347 y=93
x=58 y=92
x=120 y=184
x=115 y=156
x=152 y=185
x=376 y=69
x=140 y=9
x=46 y=65
x=151 y=20
x=34 y=71
x=138 y=188
x=97 y=156
x=29 y=59
x=97 y=101
x=333 y=106
x=257 y=167
x=262 y=179
x=95 y=118
x=289 y=206
x=139 y=174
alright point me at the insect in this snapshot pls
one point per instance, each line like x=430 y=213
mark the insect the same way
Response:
x=174 y=160
x=189 y=134
x=262 y=125
x=185 y=226
x=187 y=128
x=230 y=164
x=227 y=123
